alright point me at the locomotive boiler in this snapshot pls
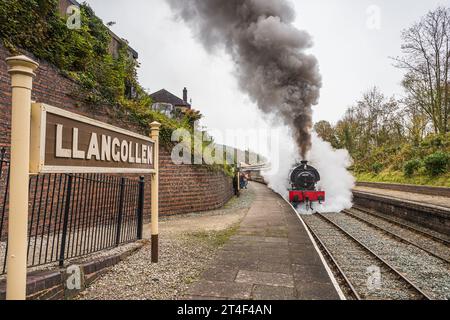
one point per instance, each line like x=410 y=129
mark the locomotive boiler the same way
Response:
x=304 y=179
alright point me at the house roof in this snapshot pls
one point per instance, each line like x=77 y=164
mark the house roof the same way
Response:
x=75 y=3
x=165 y=96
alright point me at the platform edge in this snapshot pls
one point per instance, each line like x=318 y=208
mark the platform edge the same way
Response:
x=327 y=268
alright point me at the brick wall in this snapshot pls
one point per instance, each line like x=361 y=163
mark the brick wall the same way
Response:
x=183 y=189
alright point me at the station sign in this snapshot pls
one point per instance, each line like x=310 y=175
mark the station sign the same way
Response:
x=65 y=142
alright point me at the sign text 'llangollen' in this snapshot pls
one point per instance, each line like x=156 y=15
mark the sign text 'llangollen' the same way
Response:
x=102 y=148
x=72 y=143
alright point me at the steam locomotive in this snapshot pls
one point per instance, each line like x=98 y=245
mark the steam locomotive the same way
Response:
x=304 y=179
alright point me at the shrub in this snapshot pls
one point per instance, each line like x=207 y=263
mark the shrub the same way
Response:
x=434 y=141
x=436 y=163
x=411 y=167
x=377 y=167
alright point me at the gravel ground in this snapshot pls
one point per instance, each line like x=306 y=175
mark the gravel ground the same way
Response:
x=356 y=261
x=430 y=274
x=188 y=244
x=44 y=249
x=436 y=247
x=88 y=258
x=182 y=260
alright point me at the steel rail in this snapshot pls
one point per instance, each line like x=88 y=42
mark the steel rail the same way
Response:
x=341 y=272
x=395 y=236
x=384 y=262
x=404 y=225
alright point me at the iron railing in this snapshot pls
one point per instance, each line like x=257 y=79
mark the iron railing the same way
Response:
x=74 y=215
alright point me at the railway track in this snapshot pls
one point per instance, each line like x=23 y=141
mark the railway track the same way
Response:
x=428 y=243
x=409 y=226
x=345 y=282
x=352 y=260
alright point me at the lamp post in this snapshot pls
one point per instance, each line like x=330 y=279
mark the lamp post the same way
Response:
x=155 y=127
x=21 y=70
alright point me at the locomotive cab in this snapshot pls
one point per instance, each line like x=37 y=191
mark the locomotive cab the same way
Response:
x=304 y=179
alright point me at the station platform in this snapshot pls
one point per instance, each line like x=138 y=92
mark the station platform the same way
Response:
x=418 y=205
x=271 y=257
x=425 y=199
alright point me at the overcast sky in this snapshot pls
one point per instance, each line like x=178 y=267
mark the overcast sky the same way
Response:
x=353 y=40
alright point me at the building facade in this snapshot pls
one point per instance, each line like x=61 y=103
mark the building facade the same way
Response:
x=169 y=104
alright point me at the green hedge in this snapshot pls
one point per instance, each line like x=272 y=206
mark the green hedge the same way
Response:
x=436 y=163
x=411 y=167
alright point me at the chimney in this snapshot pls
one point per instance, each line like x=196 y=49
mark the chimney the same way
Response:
x=185 y=95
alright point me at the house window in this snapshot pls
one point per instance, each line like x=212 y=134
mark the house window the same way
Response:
x=165 y=108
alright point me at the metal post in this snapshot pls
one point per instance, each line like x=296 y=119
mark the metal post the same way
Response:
x=238 y=181
x=155 y=127
x=68 y=199
x=21 y=70
x=140 y=210
x=119 y=218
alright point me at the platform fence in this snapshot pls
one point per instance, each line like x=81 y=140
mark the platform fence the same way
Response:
x=74 y=215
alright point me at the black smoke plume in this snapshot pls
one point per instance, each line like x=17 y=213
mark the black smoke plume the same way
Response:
x=269 y=53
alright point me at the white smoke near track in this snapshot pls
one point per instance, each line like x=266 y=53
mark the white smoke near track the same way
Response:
x=332 y=165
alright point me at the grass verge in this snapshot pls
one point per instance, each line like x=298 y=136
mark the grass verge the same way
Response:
x=215 y=239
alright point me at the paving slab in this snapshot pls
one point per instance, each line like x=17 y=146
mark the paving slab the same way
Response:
x=264 y=292
x=271 y=257
x=221 y=289
x=265 y=278
x=221 y=273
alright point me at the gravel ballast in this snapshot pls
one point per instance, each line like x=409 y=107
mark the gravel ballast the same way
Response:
x=427 y=272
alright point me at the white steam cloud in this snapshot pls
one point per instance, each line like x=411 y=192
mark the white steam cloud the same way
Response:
x=274 y=68
x=332 y=165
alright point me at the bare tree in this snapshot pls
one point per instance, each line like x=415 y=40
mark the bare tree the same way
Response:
x=379 y=118
x=415 y=121
x=426 y=48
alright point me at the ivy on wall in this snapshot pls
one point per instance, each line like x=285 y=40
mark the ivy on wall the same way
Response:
x=83 y=55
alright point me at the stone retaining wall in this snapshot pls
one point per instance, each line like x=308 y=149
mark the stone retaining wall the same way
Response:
x=429 y=216
x=433 y=191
